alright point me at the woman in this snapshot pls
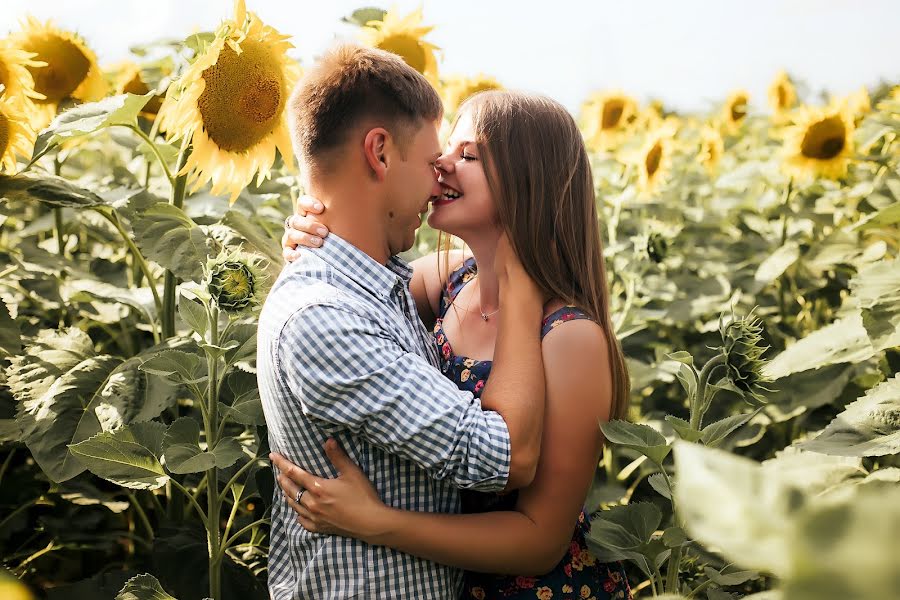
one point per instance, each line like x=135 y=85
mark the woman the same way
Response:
x=515 y=163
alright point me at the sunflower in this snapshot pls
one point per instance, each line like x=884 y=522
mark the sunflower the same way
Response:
x=16 y=135
x=820 y=143
x=654 y=160
x=859 y=103
x=457 y=88
x=782 y=95
x=230 y=105
x=404 y=36
x=15 y=78
x=735 y=110
x=127 y=78
x=711 y=148
x=70 y=71
x=607 y=117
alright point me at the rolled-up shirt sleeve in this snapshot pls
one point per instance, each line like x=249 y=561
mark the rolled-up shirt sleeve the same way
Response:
x=350 y=375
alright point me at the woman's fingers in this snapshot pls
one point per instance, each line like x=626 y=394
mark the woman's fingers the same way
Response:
x=301 y=238
x=292 y=472
x=309 y=225
x=309 y=204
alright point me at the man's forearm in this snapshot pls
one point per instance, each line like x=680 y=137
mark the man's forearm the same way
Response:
x=516 y=386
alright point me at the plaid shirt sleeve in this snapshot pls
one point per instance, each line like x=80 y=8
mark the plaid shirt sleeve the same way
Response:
x=348 y=373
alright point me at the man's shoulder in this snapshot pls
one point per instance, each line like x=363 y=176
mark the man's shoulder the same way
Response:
x=310 y=289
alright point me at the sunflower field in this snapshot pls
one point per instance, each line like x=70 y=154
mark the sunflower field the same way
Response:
x=753 y=260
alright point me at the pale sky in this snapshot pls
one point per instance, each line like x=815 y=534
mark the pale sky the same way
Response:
x=688 y=53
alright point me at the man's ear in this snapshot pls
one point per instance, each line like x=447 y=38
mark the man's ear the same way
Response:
x=375 y=147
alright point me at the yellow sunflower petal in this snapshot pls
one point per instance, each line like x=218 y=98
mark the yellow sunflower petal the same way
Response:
x=819 y=144
x=16 y=79
x=70 y=68
x=606 y=118
x=782 y=96
x=734 y=111
x=405 y=37
x=16 y=135
x=456 y=89
x=654 y=160
x=711 y=148
x=231 y=102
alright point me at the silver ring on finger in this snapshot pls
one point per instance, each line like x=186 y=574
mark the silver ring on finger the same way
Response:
x=287 y=221
x=299 y=495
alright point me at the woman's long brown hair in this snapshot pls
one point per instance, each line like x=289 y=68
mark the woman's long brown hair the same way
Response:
x=539 y=174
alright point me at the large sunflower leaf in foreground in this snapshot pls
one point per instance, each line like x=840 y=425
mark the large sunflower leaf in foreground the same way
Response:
x=70 y=69
x=230 y=104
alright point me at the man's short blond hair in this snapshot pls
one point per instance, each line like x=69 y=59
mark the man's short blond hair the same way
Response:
x=351 y=85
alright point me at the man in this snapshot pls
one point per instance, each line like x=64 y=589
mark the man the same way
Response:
x=343 y=354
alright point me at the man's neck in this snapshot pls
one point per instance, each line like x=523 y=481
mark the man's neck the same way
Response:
x=350 y=215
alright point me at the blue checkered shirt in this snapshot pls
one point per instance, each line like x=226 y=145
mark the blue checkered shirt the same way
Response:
x=342 y=353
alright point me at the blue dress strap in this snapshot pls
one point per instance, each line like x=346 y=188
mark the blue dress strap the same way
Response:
x=455 y=282
x=560 y=316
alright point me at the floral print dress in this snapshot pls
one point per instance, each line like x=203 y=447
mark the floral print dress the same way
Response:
x=578 y=576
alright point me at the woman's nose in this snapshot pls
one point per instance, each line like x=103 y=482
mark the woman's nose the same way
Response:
x=443 y=164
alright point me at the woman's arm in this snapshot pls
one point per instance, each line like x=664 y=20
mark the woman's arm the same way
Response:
x=429 y=273
x=527 y=541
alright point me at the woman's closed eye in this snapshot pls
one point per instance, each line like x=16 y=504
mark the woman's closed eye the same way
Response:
x=467 y=156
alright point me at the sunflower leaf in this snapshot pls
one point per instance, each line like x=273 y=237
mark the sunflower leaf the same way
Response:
x=169 y=237
x=52 y=191
x=362 y=16
x=10 y=338
x=127 y=456
x=88 y=118
x=844 y=341
x=876 y=289
x=714 y=433
x=181 y=447
x=870 y=426
x=637 y=436
x=143 y=587
x=67 y=394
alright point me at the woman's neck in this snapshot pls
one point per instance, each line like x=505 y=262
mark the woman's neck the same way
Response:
x=488 y=283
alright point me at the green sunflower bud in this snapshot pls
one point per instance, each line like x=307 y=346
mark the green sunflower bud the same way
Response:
x=742 y=346
x=657 y=247
x=235 y=282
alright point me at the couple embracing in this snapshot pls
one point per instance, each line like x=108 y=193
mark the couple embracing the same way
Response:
x=434 y=424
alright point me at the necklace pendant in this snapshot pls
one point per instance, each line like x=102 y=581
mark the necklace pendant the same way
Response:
x=484 y=317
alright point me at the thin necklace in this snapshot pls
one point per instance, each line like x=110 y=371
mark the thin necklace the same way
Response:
x=485 y=317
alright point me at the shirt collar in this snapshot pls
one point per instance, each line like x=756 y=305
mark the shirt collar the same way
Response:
x=362 y=268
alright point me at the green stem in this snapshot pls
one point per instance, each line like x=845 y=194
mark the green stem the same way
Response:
x=239 y=533
x=699 y=404
x=159 y=157
x=60 y=236
x=672 y=571
x=196 y=505
x=214 y=505
x=141 y=515
x=177 y=200
x=57 y=212
x=113 y=217
x=6 y=461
